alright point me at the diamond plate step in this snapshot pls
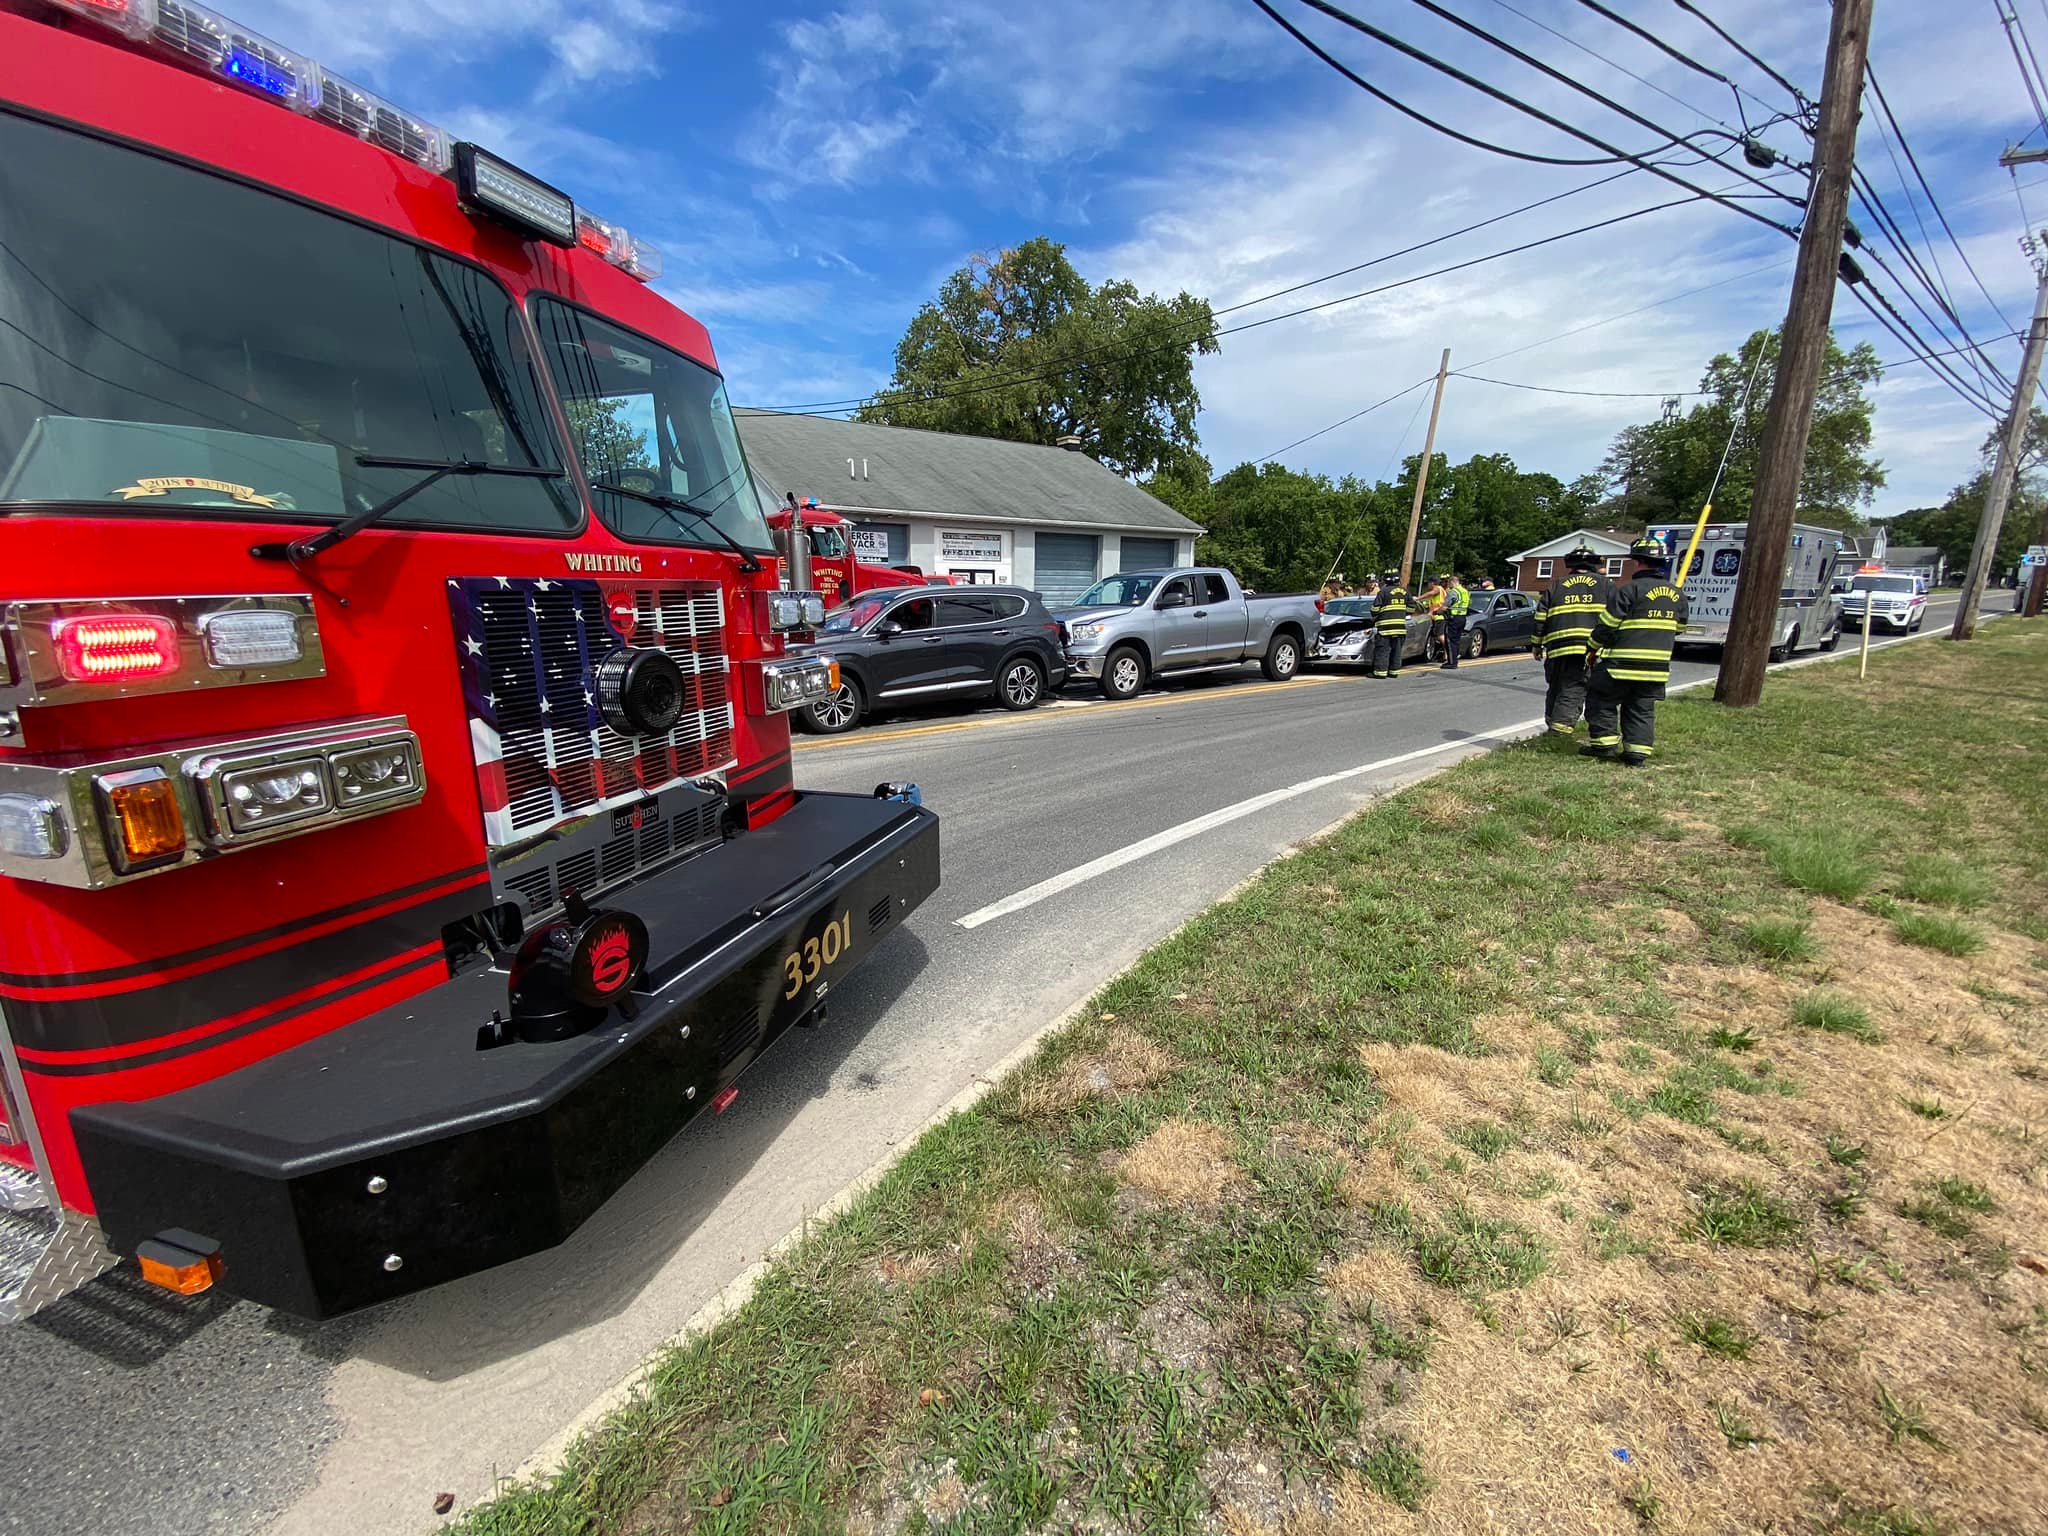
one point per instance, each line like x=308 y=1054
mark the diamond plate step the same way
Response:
x=45 y=1254
x=20 y=1189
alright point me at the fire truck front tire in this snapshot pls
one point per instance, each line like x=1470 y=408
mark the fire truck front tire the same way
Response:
x=1021 y=685
x=840 y=713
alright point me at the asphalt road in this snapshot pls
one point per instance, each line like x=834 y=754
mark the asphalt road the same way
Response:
x=1075 y=837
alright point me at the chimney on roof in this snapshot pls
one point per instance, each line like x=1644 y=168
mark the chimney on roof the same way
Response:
x=1069 y=442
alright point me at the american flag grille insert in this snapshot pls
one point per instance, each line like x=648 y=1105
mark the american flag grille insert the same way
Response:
x=627 y=853
x=530 y=648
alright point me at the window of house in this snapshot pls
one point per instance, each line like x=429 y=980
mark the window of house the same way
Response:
x=1614 y=565
x=1542 y=569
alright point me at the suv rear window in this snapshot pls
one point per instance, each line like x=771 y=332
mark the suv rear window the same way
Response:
x=176 y=343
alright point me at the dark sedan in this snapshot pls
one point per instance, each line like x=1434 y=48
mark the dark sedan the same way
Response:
x=920 y=645
x=1499 y=621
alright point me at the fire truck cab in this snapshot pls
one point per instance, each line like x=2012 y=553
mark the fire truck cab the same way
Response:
x=398 y=841
x=836 y=569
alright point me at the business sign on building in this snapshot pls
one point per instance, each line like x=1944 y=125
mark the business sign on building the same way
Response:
x=964 y=546
x=870 y=544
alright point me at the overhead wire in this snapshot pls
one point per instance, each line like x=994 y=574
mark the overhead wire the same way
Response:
x=1581 y=87
x=1614 y=64
x=1427 y=378
x=1680 y=55
x=983 y=387
x=2009 y=20
x=1877 y=91
x=1722 y=32
x=1666 y=394
x=1387 y=39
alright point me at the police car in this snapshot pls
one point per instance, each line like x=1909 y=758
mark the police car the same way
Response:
x=1891 y=599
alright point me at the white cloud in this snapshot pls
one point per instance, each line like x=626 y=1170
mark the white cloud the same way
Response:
x=586 y=37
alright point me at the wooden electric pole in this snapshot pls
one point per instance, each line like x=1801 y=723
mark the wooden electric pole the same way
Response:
x=1443 y=370
x=2004 y=471
x=1802 y=351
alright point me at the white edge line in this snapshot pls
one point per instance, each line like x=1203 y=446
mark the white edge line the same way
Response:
x=1117 y=858
x=549 y=1457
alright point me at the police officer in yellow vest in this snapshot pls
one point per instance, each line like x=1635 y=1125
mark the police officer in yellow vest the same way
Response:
x=1390 y=626
x=1457 y=604
x=1630 y=659
x=1565 y=615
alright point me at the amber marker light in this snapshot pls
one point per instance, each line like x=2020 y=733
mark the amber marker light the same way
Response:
x=145 y=824
x=182 y=1262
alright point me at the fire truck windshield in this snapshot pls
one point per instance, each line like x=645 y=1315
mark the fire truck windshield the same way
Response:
x=653 y=423
x=174 y=342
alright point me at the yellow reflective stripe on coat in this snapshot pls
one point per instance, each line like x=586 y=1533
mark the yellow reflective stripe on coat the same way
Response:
x=1664 y=624
x=1635 y=653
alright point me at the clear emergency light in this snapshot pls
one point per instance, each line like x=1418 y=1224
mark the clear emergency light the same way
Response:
x=203 y=38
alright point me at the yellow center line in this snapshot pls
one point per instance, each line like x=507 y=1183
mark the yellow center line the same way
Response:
x=1028 y=717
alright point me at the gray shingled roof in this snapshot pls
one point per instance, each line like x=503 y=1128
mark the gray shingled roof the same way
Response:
x=943 y=474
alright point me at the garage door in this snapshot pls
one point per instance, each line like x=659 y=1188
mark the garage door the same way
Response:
x=1147 y=554
x=1066 y=566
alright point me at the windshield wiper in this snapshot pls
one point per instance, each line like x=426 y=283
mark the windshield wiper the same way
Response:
x=675 y=504
x=299 y=550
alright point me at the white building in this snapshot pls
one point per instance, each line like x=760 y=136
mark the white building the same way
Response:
x=975 y=508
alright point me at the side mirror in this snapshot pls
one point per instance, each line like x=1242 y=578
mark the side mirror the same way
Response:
x=888 y=629
x=1174 y=599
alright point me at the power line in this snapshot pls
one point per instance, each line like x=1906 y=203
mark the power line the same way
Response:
x=1882 y=312
x=1669 y=298
x=1387 y=39
x=1427 y=378
x=1570 y=41
x=1920 y=176
x=1584 y=90
x=1722 y=32
x=2009 y=21
x=1407 y=111
x=1981 y=361
x=1250 y=325
x=1679 y=54
x=1665 y=394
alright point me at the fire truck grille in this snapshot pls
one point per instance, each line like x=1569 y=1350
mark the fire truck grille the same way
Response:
x=625 y=855
x=531 y=649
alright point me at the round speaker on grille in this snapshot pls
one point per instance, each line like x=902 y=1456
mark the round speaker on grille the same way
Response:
x=640 y=691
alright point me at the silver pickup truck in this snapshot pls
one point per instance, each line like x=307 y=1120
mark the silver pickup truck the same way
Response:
x=1141 y=624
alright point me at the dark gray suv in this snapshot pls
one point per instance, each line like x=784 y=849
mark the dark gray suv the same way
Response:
x=919 y=645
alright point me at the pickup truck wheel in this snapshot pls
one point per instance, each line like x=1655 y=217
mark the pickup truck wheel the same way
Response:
x=1022 y=685
x=840 y=713
x=1283 y=659
x=1123 y=674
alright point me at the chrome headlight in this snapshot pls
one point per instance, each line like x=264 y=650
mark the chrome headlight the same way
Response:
x=797 y=680
x=795 y=610
x=1087 y=631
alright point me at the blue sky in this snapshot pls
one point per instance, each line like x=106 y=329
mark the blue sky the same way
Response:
x=812 y=171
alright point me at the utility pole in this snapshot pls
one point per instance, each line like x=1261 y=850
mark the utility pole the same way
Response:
x=1802 y=350
x=2005 y=470
x=1443 y=370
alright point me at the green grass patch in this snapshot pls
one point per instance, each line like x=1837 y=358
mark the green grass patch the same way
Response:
x=1744 y=1215
x=1938 y=931
x=1937 y=880
x=1837 y=1015
x=1715 y=1335
x=1015 y=1308
x=1786 y=940
x=1821 y=862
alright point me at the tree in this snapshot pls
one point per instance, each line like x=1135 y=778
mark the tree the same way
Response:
x=1661 y=471
x=1019 y=345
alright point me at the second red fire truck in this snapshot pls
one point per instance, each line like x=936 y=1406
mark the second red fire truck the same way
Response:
x=398 y=842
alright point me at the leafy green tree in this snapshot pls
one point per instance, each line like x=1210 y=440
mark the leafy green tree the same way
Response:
x=1660 y=471
x=1019 y=345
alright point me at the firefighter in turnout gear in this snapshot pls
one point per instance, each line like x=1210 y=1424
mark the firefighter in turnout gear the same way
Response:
x=1565 y=615
x=1630 y=659
x=1390 y=626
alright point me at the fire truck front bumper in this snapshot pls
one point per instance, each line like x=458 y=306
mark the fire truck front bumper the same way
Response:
x=396 y=1153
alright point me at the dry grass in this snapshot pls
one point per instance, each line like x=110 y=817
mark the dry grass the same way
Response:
x=1184 y=1163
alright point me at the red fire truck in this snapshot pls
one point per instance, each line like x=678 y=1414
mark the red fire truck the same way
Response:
x=836 y=571
x=397 y=836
